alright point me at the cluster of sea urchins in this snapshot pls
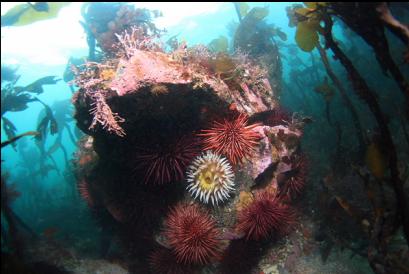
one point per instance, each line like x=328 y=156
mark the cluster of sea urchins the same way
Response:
x=191 y=233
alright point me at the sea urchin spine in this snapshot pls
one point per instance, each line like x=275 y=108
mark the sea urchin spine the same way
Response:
x=234 y=139
x=166 y=163
x=163 y=261
x=266 y=214
x=85 y=192
x=210 y=177
x=294 y=179
x=192 y=235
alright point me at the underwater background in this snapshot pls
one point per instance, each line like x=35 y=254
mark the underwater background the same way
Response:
x=205 y=137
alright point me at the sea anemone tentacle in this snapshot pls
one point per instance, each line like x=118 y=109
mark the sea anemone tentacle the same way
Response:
x=210 y=178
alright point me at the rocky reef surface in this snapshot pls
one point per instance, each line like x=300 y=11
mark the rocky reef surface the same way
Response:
x=149 y=116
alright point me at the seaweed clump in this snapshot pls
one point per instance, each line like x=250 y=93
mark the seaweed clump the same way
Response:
x=369 y=21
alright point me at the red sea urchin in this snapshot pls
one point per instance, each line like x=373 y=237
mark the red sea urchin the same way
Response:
x=266 y=214
x=192 y=235
x=234 y=139
x=163 y=261
x=278 y=116
x=293 y=181
x=166 y=163
x=85 y=192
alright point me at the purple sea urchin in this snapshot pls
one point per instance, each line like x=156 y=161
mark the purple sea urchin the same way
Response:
x=210 y=177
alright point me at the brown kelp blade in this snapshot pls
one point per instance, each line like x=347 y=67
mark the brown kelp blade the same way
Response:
x=12 y=140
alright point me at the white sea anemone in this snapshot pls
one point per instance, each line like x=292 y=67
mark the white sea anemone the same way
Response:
x=210 y=177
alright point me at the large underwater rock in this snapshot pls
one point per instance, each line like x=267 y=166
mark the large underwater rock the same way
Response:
x=146 y=114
